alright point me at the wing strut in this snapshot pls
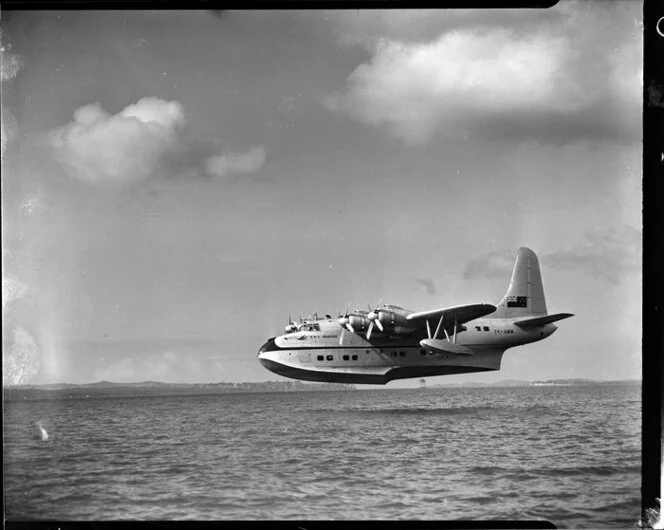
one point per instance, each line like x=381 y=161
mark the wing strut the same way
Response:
x=439 y=324
x=446 y=335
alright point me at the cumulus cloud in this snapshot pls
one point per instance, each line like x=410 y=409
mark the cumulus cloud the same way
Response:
x=145 y=139
x=608 y=253
x=368 y=27
x=98 y=147
x=229 y=162
x=463 y=78
x=413 y=89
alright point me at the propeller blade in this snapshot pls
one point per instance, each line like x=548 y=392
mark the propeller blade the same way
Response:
x=350 y=328
x=369 y=330
x=379 y=325
x=341 y=336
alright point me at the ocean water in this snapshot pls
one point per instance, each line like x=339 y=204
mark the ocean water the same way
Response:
x=568 y=454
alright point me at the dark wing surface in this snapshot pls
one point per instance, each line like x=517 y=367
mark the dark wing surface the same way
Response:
x=459 y=314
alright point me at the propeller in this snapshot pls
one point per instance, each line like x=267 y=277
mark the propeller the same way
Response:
x=344 y=321
x=372 y=317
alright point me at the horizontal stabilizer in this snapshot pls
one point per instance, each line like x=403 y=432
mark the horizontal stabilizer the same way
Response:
x=444 y=346
x=541 y=321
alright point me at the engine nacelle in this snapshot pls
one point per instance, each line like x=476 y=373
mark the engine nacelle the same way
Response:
x=394 y=322
x=358 y=322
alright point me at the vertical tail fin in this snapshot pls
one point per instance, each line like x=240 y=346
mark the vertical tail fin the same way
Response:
x=525 y=295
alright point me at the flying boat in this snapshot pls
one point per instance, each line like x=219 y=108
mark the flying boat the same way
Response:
x=389 y=342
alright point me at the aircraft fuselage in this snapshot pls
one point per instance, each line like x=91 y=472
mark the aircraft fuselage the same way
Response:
x=322 y=355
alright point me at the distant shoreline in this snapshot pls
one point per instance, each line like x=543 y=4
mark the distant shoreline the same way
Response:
x=547 y=382
x=155 y=388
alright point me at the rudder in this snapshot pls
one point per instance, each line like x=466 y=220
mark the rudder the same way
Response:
x=525 y=295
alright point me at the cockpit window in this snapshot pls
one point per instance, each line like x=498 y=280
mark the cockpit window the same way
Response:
x=311 y=327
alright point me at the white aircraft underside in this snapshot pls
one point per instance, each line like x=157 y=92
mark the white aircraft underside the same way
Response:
x=405 y=344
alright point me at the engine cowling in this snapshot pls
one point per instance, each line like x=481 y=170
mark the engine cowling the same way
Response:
x=358 y=322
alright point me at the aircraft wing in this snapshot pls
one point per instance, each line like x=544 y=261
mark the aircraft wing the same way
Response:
x=460 y=313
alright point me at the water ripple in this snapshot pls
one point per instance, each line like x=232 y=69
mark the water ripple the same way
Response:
x=569 y=455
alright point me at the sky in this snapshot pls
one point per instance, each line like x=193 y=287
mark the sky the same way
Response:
x=176 y=184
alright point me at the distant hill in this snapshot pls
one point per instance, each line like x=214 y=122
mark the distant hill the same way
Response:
x=153 y=388
x=548 y=382
x=584 y=382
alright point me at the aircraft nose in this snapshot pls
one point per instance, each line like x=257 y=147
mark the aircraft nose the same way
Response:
x=270 y=345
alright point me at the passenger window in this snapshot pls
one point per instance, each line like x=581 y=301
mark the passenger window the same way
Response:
x=402 y=353
x=346 y=358
x=486 y=328
x=330 y=357
x=478 y=328
x=355 y=357
x=394 y=354
x=320 y=357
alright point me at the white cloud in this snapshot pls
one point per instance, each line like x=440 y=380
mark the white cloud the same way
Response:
x=570 y=66
x=367 y=27
x=231 y=162
x=415 y=88
x=98 y=147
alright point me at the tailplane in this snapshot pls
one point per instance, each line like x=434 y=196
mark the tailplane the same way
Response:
x=541 y=321
x=525 y=295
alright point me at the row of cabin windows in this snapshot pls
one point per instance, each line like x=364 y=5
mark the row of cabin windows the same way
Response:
x=354 y=357
x=478 y=328
x=331 y=357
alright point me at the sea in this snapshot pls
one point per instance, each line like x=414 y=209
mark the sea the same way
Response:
x=570 y=455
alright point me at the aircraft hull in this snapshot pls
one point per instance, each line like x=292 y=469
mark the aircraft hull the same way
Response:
x=369 y=363
x=403 y=372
